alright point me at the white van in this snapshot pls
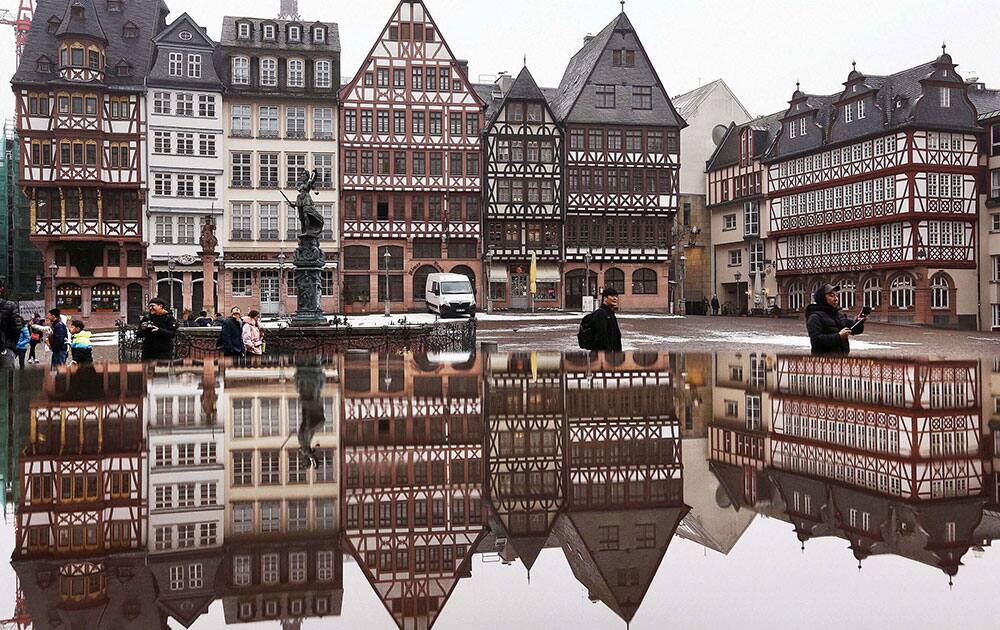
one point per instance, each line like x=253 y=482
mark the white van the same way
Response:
x=450 y=294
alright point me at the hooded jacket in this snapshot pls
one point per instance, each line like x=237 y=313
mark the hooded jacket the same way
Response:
x=824 y=323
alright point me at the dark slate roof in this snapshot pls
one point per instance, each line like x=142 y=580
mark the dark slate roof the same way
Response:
x=88 y=24
x=149 y=16
x=523 y=88
x=168 y=39
x=766 y=128
x=580 y=66
x=485 y=92
x=280 y=41
x=986 y=100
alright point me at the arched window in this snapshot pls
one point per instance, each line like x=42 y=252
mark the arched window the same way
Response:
x=614 y=278
x=796 y=296
x=872 y=294
x=644 y=282
x=69 y=297
x=395 y=257
x=902 y=292
x=106 y=298
x=356 y=258
x=468 y=273
x=940 y=292
x=420 y=282
x=847 y=293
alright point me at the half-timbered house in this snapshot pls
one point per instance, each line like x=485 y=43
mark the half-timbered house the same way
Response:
x=410 y=146
x=523 y=195
x=186 y=161
x=622 y=168
x=874 y=188
x=81 y=118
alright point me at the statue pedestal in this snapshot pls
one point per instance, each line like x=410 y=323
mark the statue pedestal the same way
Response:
x=208 y=282
x=309 y=262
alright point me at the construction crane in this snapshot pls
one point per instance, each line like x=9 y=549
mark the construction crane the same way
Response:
x=21 y=23
x=22 y=618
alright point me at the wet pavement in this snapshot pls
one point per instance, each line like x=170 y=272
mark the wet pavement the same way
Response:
x=507 y=489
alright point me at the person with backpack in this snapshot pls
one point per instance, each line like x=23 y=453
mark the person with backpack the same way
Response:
x=80 y=346
x=599 y=330
x=58 y=339
x=35 y=333
x=10 y=328
x=22 y=345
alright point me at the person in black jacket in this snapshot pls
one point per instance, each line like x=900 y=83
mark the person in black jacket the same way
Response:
x=829 y=329
x=231 y=335
x=607 y=334
x=10 y=328
x=157 y=330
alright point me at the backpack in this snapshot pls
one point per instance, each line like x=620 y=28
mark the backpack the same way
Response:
x=585 y=333
x=11 y=324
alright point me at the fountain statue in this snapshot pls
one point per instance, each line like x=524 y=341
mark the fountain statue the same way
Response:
x=308 y=260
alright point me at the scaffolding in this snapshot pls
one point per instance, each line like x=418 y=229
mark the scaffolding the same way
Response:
x=21 y=263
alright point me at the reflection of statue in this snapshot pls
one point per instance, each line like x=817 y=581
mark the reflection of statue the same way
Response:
x=310 y=220
x=309 y=383
x=208 y=240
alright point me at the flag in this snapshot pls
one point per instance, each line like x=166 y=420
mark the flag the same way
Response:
x=532 y=273
x=534 y=366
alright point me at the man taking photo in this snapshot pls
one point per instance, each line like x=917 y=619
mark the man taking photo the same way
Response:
x=157 y=330
x=829 y=329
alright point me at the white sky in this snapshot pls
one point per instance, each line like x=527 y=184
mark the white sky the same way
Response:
x=759 y=48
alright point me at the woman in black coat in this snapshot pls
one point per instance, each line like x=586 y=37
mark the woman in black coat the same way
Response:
x=829 y=329
x=231 y=335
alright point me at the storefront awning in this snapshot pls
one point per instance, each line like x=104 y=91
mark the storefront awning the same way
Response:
x=547 y=272
x=270 y=265
x=498 y=273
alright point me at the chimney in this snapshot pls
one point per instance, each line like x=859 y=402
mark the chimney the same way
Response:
x=589 y=37
x=289 y=10
x=972 y=77
x=463 y=67
x=503 y=83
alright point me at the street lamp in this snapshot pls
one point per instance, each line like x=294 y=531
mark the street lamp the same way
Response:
x=387 y=256
x=281 y=283
x=586 y=280
x=171 y=265
x=53 y=268
x=489 y=292
x=683 y=305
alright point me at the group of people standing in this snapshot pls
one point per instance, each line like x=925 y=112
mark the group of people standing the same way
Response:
x=241 y=336
x=238 y=336
x=20 y=338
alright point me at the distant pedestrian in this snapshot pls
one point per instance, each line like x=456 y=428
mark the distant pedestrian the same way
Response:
x=829 y=329
x=253 y=337
x=187 y=318
x=80 y=347
x=58 y=339
x=231 y=335
x=22 y=344
x=35 y=333
x=157 y=330
x=599 y=330
x=219 y=320
x=715 y=305
x=10 y=328
x=203 y=320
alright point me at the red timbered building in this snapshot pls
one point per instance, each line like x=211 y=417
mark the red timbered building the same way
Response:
x=902 y=428
x=523 y=195
x=410 y=151
x=524 y=416
x=82 y=123
x=81 y=515
x=412 y=435
x=622 y=474
x=622 y=169
x=874 y=188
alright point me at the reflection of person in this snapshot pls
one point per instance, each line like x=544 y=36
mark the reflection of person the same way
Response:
x=157 y=330
x=607 y=334
x=829 y=329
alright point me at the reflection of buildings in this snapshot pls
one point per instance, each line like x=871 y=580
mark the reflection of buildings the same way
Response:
x=81 y=518
x=282 y=554
x=413 y=512
x=883 y=453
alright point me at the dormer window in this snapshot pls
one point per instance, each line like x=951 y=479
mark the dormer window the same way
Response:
x=945 y=97
x=243 y=30
x=76 y=11
x=319 y=34
x=746 y=147
x=54 y=23
x=861 y=109
x=130 y=30
x=294 y=33
x=793 y=130
x=115 y=5
x=802 y=126
x=849 y=112
x=123 y=69
x=43 y=65
x=269 y=32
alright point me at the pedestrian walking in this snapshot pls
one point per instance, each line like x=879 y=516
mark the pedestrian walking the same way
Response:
x=599 y=330
x=80 y=346
x=21 y=348
x=231 y=335
x=58 y=339
x=715 y=305
x=203 y=320
x=253 y=337
x=157 y=330
x=10 y=328
x=36 y=331
x=829 y=329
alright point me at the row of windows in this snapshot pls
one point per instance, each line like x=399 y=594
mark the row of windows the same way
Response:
x=269 y=282
x=269 y=121
x=182 y=104
x=425 y=513
x=164 y=185
x=618 y=232
x=642 y=96
x=268 y=169
x=621 y=181
x=525 y=190
x=266 y=218
x=269 y=515
x=532 y=233
x=865 y=238
x=382 y=207
x=294 y=72
x=188 y=454
x=183 y=143
x=269 y=463
x=617 y=140
x=269 y=32
x=421 y=163
x=81 y=153
x=835 y=157
x=865 y=437
x=744 y=185
x=73 y=488
x=185 y=495
x=179 y=66
x=422 y=79
x=417 y=122
x=902 y=293
x=181 y=230
x=512 y=150
x=847 y=196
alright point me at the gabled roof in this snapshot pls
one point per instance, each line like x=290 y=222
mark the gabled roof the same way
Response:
x=89 y=23
x=229 y=35
x=580 y=66
x=199 y=42
x=524 y=88
x=689 y=102
x=765 y=128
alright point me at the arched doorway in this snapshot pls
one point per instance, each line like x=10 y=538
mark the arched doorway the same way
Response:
x=468 y=273
x=420 y=282
x=577 y=287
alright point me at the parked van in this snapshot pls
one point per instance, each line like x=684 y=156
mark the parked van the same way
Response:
x=450 y=294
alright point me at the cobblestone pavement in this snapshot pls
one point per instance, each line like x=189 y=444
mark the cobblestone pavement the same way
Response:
x=719 y=334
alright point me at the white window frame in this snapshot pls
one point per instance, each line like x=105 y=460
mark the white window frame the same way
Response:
x=268 y=72
x=175 y=64
x=269 y=32
x=295 y=33
x=802 y=126
x=319 y=34
x=848 y=113
x=296 y=77
x=945 y=96
x=194 y=65
x=243 y=30
x=323 y=71
x=861 y=109
x=241 y=70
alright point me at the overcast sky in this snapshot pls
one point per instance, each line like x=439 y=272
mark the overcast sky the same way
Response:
x=759 y=48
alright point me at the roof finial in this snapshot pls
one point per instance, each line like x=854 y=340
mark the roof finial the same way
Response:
x=525 y=60
x=623 y=6
x=796 y=85
x=943 y=47
x=854 y=64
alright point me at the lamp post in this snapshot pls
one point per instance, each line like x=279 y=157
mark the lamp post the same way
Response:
x=738 y=276
x=586 y=279
x=171 y=265
x=687 y=235
x=489 y=293
x=683 y=304
x=281 y=283
x=53 y=268
x=387 y=256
